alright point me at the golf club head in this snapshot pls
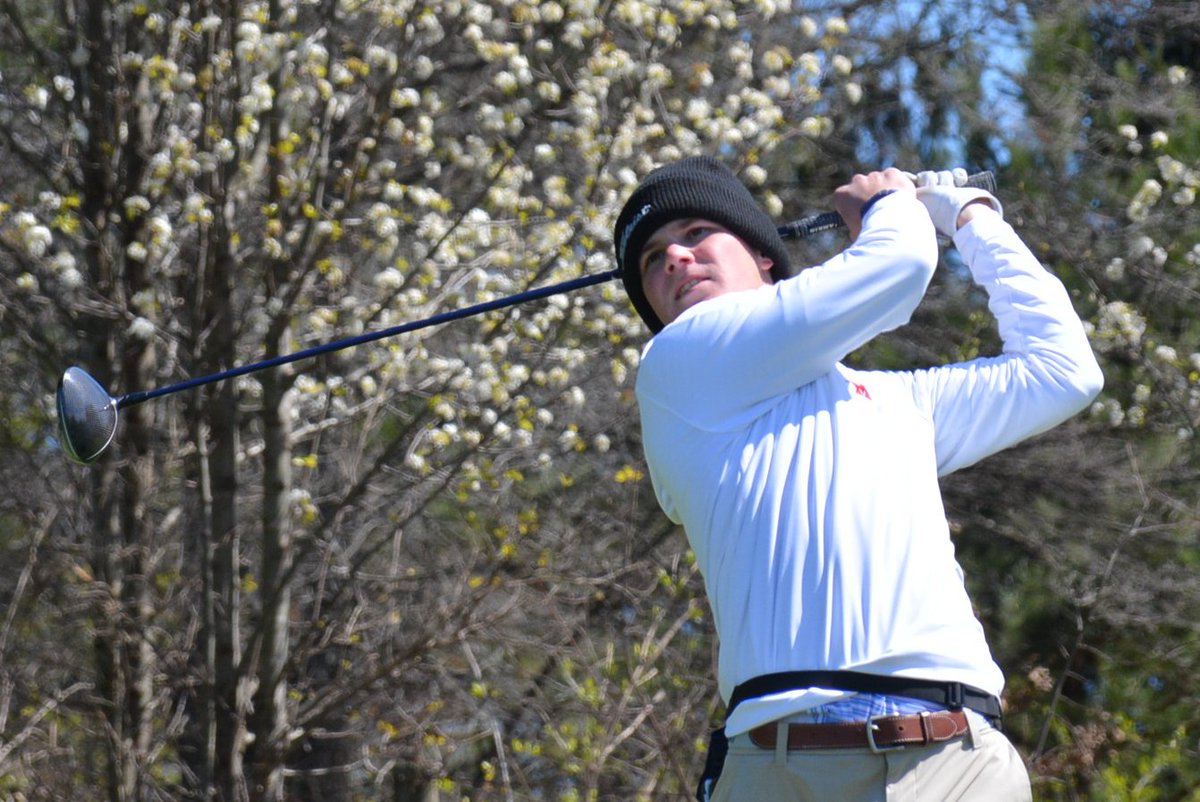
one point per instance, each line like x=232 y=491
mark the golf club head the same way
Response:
x=87 y=416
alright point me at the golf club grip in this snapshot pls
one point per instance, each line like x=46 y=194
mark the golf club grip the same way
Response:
x=828 y=221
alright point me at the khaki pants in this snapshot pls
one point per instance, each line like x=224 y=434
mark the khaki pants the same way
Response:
x=982 y=766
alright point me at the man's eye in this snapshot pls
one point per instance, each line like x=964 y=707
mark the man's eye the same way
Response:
x=651 y=260
x=696 y=233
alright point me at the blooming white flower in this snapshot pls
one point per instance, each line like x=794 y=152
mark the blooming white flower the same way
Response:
x=1149 y=193
x=809 y=63
x=382 y=57
x=248 y=31
x=38 y=96
x=773 y=204
x=141 y=329
x=768 y=8
x=63 y=261
x=144 y=300
x=1110 y=409
x=386 y=227
x=1120 y=324
x=35 y=238
x=1128 y=131
x=159 y=229
x=389 y=279
x=813 y=127
x=299 y=498
x=1165 y=353
x=1140 y=246
x=224 y=150
x=506 y=82
x=1177 y=75
x=65 y=87
x=1172 y=170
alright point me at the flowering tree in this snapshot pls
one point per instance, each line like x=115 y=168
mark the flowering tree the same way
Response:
x=430 y=561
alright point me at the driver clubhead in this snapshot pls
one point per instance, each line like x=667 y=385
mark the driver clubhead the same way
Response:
x=87 y=416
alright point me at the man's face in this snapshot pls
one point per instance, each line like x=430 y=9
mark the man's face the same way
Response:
x=691 y=260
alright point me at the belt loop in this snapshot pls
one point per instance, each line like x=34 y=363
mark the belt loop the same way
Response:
x=974 y=739
x=781 y=742
x=955 y=696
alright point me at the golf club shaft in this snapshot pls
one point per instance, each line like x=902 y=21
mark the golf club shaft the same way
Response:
x=137 y=397
x=804 y=227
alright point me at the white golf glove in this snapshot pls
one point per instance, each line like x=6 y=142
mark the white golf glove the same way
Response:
x=940 y=178
x=944 y=193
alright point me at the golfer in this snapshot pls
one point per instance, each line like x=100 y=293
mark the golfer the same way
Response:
x=850 y=658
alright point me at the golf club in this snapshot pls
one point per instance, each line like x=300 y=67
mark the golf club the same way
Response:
x=88 y=414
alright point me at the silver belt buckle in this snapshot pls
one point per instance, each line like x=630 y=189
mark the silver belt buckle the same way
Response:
x=874 y=747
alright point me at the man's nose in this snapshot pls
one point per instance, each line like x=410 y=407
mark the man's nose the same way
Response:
x=677 y=255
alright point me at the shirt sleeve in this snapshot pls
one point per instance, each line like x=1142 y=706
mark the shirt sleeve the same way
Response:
x=721 y=360
x=1046 y=372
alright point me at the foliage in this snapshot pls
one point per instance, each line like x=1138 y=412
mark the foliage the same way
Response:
x=433 y=561
x=1115 y=134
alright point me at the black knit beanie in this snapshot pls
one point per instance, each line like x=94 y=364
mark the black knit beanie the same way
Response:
x=700 y=187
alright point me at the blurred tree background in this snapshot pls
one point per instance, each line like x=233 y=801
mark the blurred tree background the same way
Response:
x=432 y=567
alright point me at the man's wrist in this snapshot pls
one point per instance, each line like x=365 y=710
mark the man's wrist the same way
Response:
x=970 y=211
x=871 y=201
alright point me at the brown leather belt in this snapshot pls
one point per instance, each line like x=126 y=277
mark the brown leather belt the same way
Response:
x=879 y=734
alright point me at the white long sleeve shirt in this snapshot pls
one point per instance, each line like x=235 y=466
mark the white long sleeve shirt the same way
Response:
x=809 y=491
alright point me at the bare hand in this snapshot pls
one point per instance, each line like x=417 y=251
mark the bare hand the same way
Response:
x=849 y=198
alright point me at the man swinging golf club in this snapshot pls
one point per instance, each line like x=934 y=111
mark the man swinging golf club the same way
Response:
x=850 y=658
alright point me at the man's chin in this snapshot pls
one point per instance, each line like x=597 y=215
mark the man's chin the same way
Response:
x=695 y=296
x=687 y=302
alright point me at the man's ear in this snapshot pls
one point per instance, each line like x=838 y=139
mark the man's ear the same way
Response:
x=764 y=266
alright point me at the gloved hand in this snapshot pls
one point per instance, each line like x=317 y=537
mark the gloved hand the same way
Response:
x=944 y=194
x=943 y=178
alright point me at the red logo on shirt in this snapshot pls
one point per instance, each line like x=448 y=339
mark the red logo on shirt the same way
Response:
x=861 y=389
